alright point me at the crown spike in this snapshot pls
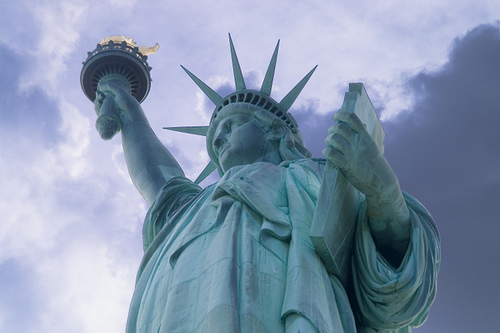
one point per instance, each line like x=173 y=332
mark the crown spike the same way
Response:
x=211 y=167
x=288 y=100
x=214 y=97
x=268 y=79
x=197 y=130
x=238 y=75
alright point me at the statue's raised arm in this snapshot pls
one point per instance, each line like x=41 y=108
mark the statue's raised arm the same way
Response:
x=149 y=162
x=116 y=78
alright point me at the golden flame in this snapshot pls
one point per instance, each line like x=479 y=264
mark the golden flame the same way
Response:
x=144 y=50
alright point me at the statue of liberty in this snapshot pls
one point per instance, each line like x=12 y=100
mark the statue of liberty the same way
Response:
x=238 y=255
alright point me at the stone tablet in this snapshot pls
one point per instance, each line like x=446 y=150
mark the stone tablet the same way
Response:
x=334 y=222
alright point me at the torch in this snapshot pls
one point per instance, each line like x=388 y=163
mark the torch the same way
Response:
x=117 y=58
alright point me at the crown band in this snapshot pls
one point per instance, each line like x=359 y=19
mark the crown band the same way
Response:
x=257 y=98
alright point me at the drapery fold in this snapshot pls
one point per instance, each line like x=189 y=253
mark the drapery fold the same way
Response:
x=239 y=253
x=389 y=298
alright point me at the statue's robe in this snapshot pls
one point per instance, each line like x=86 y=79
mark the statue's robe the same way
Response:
x=237 y=257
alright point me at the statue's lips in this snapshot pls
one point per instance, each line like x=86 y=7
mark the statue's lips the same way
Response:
x=222 y=150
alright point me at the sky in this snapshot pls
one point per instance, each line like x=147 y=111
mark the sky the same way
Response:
x=70 y=217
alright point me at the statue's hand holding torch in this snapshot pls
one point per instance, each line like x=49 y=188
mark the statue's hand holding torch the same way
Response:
x=108 y=122
x=114 y=76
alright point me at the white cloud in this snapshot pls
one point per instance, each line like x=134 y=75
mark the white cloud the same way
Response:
x=87 y=280
x=25 y=203
x=58 y=23
x=72 y=152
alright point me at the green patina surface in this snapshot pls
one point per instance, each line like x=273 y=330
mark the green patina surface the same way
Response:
x=283 y=242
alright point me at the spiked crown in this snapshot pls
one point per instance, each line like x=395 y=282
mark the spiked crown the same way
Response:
x=260 y=98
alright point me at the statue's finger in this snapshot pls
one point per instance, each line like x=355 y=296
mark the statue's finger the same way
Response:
x=335 y=156
x=340 y=143
x=351 y=119
x=346 y=131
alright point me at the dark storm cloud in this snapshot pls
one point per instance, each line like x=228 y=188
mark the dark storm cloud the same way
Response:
x=446 y=152
x=313 y=126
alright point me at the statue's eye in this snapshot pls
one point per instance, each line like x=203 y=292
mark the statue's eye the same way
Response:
x=235 y=125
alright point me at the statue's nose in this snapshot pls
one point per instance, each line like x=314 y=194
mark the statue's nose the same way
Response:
x=219 y=141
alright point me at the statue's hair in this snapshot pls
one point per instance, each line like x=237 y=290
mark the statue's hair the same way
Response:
x=291 y=145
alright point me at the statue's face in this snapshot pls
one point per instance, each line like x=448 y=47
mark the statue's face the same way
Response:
x=238 y=140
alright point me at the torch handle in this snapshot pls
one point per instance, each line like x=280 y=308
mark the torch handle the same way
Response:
x=108 y=122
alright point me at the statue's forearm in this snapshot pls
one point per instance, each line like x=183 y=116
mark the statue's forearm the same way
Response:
x=389 y=220
x=149 y=163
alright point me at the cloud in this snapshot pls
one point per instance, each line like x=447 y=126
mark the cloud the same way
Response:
x=28 y=119
x=447 y=153
x=57 y=33
x=22 y=108
x=455 y=118
x=60 y=263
